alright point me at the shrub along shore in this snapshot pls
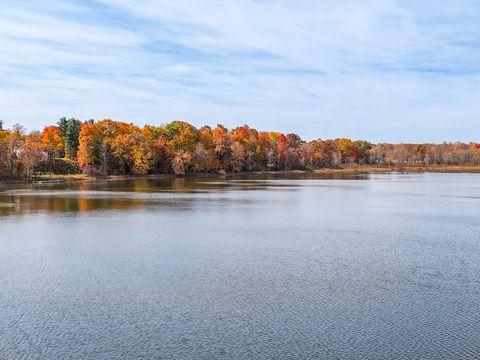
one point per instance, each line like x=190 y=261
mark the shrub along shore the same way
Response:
x=76 y=150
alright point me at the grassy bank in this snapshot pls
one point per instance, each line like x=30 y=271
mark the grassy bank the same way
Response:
x=347 y=170
x=374 y=169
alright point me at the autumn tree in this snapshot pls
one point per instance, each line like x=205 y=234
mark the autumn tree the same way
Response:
x=31 y=154
x=52 y=143
x=161 y=158
x=114 y=147
x=295 y=152
x=203 y=159
x=237 y=157
x=247 y=137
x=12 y=143
x=181 y=162
x=380 y=154
x=133 y=152
x=4 y=139
x=89 y=146
x=222 y=142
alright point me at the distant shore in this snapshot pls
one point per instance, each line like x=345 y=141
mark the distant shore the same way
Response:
x=346 y=170
x=373 y=169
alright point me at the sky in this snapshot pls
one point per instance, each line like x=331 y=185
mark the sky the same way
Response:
x=381 y=70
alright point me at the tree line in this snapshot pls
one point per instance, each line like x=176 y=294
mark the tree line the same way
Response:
x=107 y=147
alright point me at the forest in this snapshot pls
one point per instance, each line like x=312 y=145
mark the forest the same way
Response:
x=108 y=147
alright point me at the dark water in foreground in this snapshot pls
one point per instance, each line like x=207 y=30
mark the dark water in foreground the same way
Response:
x=366 y=267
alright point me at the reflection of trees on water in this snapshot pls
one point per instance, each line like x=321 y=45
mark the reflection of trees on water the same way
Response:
x=10 y=205
x=134 y=193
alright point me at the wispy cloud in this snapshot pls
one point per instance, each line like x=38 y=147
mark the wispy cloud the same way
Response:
x=378 y=69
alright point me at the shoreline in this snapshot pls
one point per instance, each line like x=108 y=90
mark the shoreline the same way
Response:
x=326 y=171
x=403 y=169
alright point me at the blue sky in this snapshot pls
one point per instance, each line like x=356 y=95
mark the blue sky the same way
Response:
x=382 y=70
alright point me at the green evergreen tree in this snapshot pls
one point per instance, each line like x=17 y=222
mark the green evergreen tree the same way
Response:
x=70 y=129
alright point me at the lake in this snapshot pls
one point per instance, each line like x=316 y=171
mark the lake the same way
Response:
x=375 y=266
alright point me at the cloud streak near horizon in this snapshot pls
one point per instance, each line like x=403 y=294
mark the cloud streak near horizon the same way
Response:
x=382 y=70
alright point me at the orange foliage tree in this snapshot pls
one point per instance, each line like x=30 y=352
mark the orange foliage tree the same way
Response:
x=115 y=147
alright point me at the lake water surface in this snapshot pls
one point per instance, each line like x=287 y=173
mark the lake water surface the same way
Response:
x=380 y=266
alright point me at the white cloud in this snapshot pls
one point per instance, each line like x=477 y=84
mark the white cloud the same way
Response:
x=377 y=69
